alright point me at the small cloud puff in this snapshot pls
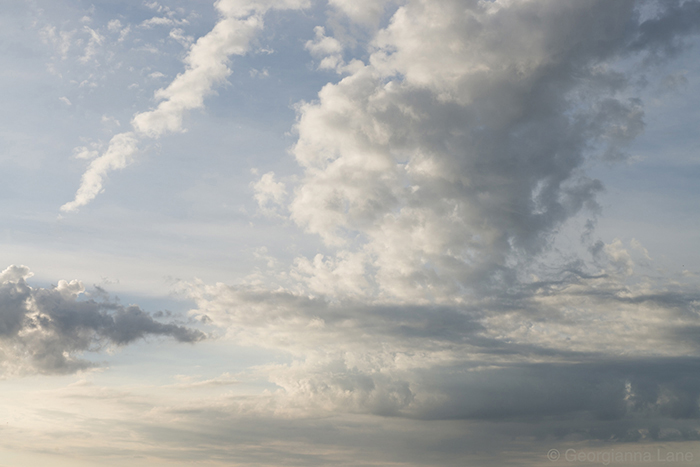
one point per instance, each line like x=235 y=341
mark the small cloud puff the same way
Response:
x=269 y=192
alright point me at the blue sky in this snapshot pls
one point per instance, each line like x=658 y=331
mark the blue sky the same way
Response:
x=397 y=232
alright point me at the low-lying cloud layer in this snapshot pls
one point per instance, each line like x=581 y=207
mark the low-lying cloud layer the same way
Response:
x=580 y=348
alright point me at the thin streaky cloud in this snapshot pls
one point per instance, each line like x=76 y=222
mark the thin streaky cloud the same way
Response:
x=207 y=64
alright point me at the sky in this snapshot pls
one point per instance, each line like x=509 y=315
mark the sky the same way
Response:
x=349 y=232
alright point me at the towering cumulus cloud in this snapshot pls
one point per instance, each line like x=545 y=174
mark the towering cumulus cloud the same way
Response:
x=206 y=65
x=437 y=175
x=459 y=148
x=46 y=330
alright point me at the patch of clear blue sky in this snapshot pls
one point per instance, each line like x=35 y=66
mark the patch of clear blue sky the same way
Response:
x=655 y=194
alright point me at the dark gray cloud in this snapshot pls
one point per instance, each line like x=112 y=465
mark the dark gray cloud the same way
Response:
x=643 y=391
x=46 y=330
x=665 y=35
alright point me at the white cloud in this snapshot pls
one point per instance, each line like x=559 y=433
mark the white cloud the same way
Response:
x=157 y=21
x=114 y=25
x=255 y=73
x=118 y=155
x=110 y=121
x=454 y=155
x=15 y=273
x=620 y=257
x=362 y=11
x=322 y=44
x=330 y=52
x=637 y=245
x=124 y=32
x=62 y=40
x=179 y=35
x=84 y=152
x=338 y=277
x=269 y=192
x=94 y=42
x=206 y=66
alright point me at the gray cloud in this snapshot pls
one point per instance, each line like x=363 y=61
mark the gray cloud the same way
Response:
x=46 y=330
x=438 y=178
x=565 y=349
x=665 y=35
x=454 y=167
x=508 y=416
x=441 y=181
x=640 y=390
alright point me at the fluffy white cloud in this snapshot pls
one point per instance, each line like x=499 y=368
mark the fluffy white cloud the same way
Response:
x=207 y=65
x=269 y=192
x=455 y=168
x=118 y=155
x=329 y=51
x=365 y=12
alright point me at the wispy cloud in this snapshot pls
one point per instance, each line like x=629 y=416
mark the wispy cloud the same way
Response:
x=206 y=66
